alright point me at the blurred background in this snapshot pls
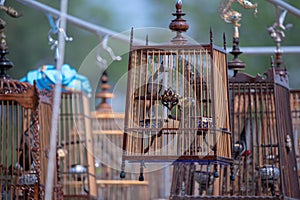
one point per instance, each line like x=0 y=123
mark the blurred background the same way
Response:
x=29 y=48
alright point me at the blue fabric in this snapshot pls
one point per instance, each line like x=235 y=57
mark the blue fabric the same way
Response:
x=46 y=77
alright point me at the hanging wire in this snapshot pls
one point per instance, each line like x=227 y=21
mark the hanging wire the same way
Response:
x=109 y=50
x=55 y=30
x=102 y=62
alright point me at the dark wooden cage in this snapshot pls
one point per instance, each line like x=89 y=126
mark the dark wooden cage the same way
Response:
x=25 y=118
x=75 y=147
x=265 y=163
x=295 y=111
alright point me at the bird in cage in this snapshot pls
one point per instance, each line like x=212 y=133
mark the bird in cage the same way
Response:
x=240 y=146
x=27 y=146
x=24 y=167
x=78 y=172
x=188 y=70
x=204 y=179
x=25 y=162
x=269 y=176
x=154 y=87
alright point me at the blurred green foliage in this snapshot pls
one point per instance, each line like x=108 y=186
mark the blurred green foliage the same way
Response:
x=29 y=48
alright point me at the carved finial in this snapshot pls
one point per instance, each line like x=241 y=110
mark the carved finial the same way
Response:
x=231 y=16
x=131 y=36
x=104 y=94
x=224 y=40
x=5 y=64
x=210 y=35
x=236 y=64
x=272 y=61
x=179 y=24
x=179 y=5
x=276 y=32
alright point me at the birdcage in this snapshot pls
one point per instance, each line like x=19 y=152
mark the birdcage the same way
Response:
x=201 y=181
x=25 y=120
x=177 y=102
x=265 y=164
x=45 y=119
x=107 y=137
x=75 y=147
x=295 y=111
x=25 y=131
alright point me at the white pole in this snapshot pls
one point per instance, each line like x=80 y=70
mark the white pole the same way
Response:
x=291 y=9
x=268 y=50
x=56 y=101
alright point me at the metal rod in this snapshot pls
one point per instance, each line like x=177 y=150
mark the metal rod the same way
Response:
x=56 y=100
x=288 y=7
x=268 y=50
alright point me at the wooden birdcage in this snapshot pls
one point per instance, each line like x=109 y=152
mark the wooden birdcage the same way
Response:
x=25 y=115
x=295 y=111
x=25 y=121
x=75 y=147
x=176 y=103
x=107 y=137
x=265 y=163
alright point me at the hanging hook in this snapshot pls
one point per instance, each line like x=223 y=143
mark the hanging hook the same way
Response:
x=109 y=50
x=100 y=61
x=104 y=46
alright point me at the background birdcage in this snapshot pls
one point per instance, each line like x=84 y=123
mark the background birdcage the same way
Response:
x=75 y=147
x=295 y=112
x=262 y=136
x=107 y=137
x=25 y=131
